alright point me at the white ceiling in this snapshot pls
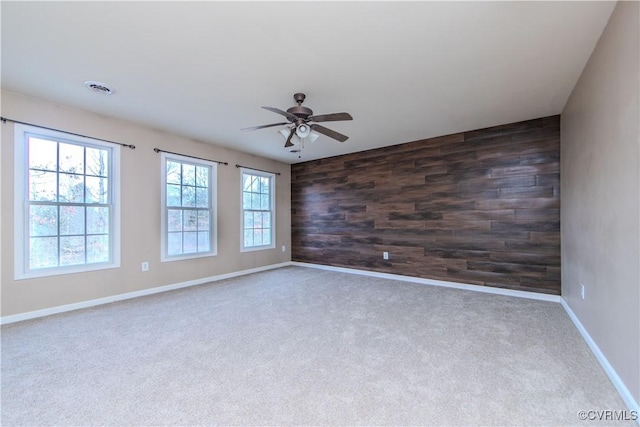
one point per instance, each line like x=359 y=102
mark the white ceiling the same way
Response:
x=404 y=70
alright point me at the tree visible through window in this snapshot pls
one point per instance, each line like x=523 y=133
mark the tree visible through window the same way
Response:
x=69 y=209
x=257 y=209
x=188 y=208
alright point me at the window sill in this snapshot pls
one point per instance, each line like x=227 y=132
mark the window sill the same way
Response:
x=58 y=271
x=257 y=248
x=187 y=256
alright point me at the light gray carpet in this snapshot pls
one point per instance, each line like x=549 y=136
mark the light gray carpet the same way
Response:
x=303 y=346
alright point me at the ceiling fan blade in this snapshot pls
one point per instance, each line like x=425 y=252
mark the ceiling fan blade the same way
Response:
x=289 y=143
x=335 y=117
x=264 y=126
x=289 y=116
x=330 y=133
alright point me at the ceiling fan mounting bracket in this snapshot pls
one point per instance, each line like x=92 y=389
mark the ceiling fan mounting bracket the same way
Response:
x=299 y=97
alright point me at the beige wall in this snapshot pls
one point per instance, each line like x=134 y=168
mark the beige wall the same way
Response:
x=600 y=195
x=140 y=211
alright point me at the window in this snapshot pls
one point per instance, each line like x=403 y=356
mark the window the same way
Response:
x=188 y=203
x=258 y=190
x=66 y=203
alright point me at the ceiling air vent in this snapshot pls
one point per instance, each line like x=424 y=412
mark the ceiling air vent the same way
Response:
x=99 y=87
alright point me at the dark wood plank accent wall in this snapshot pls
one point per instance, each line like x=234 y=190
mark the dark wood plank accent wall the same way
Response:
x=479 y=207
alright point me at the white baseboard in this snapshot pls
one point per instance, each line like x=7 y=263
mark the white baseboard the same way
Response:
x=608 y=369
x=432 y=282
x=106 y=300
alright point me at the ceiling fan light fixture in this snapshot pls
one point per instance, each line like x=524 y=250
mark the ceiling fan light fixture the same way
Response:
x=303 y=130
x=285 y=134
x=313 y=136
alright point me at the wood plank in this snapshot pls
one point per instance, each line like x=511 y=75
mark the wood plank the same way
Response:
x=479 y=207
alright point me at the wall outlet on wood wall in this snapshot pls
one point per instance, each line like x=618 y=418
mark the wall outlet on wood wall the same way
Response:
x=385 y=255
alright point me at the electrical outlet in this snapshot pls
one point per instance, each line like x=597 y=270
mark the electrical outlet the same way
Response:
x=385 y=255
x=145 y=266
x=284 y=248
x=582 y=290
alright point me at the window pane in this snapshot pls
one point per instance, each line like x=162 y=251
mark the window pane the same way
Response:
x=255 y=201
x=246 y=200
x=71 y=220
x=71 y=158
x=43 y=186
x=264 y=202
x=188 y=174
x=257 y=220
x=43 y=154
x=174 y=220
x=97 y=220
x=264 y=185
x=173 y=172
x=203 y=220
x=97 y=190
x=248 y=238
x=190 y=242
x=188 y=196
x=202 y=197
x=248 y=220
x=43 y=252
x=203 y=241
x=202 y=176
x=266 y=237
x=174 y=243
x=72 y=250
x=257 y=237
x=43 y=220
x=255 y=186
x=97 y=162
x=71 y=188
x=190 y=221
x=173 y=195
x=266 y=219
x=97 y=249
x=246 y=182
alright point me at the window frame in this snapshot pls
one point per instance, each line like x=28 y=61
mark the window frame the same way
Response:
x=22 y=203
x=272 y=210
x=213 y=209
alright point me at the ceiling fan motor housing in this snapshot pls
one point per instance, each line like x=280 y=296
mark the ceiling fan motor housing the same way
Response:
x=300 y=111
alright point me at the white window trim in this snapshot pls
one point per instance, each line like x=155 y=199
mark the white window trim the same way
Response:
x=21 y=224
x=214 y=211
x=273 y=210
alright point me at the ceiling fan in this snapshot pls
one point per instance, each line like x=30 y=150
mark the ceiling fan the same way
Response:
x=301 y=117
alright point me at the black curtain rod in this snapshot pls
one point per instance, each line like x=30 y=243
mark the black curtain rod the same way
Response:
x=157 y=150
x=249 y=167
x=5 y=120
